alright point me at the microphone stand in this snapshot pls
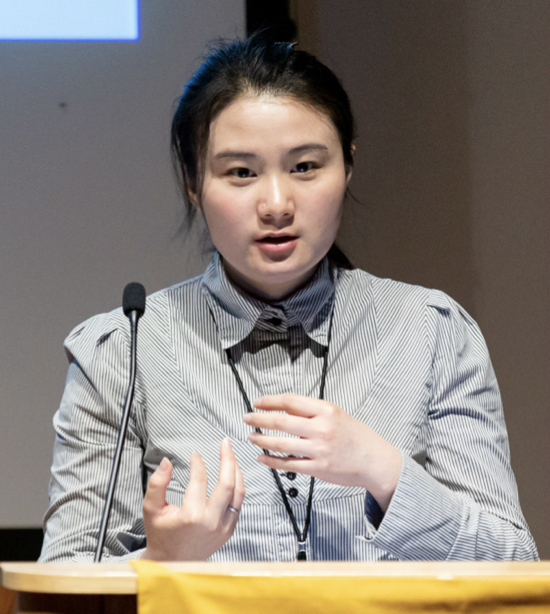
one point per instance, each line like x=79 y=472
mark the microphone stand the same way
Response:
x=133 y=317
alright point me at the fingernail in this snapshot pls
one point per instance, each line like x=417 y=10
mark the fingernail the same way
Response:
x=252 y=435
x=247 y=418
x=164 y=464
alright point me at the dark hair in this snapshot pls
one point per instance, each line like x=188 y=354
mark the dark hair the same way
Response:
x=252 y=66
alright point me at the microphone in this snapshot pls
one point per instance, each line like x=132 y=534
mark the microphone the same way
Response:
x=133 y=305
x=133 y=299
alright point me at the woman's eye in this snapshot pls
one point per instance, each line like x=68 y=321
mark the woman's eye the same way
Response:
x=242 y=172
x=303 y=167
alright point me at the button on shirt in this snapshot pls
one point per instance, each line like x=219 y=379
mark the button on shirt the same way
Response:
x=407 y=361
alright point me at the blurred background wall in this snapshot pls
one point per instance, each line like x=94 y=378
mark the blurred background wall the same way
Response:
x=452 y=102
x=87 y=203
x=452 y=99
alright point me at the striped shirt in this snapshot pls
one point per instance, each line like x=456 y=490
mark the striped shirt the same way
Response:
x=407 y=361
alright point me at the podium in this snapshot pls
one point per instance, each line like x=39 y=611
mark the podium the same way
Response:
x=79 y=588
x=106 y=588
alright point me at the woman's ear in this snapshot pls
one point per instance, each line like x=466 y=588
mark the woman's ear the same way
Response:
x=191 y=191
x=349 y=168
x=193 y=199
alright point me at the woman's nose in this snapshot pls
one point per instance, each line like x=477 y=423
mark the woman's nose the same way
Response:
x=277 y=202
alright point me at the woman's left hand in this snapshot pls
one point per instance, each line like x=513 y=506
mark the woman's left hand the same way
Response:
x=329 y=444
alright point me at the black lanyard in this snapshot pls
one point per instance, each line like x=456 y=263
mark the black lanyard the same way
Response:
x=300 y=535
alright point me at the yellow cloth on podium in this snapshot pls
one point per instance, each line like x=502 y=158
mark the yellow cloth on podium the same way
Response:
x=161 y=590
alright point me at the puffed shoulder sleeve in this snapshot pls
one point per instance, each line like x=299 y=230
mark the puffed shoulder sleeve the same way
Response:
x=463 y=503
x=86 y=426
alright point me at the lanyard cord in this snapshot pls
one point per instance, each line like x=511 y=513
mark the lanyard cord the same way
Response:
x=300 y=535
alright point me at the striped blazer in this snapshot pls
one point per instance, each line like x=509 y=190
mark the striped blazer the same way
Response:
x=407 y=361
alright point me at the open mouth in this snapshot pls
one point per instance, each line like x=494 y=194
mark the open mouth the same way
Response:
x=277 y=240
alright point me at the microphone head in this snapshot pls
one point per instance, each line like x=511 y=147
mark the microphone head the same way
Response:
x=133 y=299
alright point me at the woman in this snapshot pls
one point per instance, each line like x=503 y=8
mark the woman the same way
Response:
x=382 y=392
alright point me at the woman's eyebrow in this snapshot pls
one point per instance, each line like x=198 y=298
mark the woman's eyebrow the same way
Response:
x=308 y=147
x=229 y=153
x=234 y=154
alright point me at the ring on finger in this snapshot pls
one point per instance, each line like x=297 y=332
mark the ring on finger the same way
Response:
x=233 y=509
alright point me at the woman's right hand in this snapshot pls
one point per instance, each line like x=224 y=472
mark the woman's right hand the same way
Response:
x=200 y=526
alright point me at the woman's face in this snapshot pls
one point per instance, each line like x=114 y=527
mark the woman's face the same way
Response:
x=272 y=193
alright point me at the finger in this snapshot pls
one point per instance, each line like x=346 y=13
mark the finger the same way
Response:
x=195 y=493
x=293 y=425
x=155 y=496
x=238 y=496
x=232 y=516
x=223 y=492
x=282 y=445
x=293 y=404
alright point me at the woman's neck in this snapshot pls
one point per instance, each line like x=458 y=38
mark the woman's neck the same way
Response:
x=269 y=293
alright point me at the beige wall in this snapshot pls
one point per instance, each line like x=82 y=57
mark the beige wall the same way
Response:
x=87 y=203
x=453 y=170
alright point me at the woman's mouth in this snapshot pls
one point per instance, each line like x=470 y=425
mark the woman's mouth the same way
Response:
x=277 y=243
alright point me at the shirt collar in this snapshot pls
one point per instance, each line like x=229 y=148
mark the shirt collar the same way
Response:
x=237 y=313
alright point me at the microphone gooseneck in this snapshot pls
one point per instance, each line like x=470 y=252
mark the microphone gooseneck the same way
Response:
x=133 y=305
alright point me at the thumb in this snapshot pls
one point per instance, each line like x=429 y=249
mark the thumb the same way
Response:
x=155 y=497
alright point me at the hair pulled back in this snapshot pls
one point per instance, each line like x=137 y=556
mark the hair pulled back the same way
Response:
x=252 y=66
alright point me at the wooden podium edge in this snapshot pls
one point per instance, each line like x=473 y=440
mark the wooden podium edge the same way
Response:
x=121 y=579
x=69 y=578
